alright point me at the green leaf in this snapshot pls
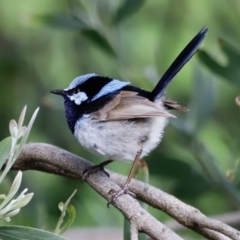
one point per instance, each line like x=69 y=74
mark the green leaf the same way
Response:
x=26 y=233
x=142 y=172
x=71 y=217
x=71 y=213
x=209 y=163
x=21 y=118
x=126 y=230
x=183 y=174
x=128 y=8
x=201 y=103
x=210 y=62
x=98 y=40
x=5 y=148
x=26 y=134
x=231 y=70
x=18 y=148
x=60 y=20
x=234 y=173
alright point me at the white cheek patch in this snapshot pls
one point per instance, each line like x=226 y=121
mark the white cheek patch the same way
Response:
x=78 y=98
x=112 y=86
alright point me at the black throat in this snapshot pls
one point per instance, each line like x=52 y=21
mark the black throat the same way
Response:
x=71 y=112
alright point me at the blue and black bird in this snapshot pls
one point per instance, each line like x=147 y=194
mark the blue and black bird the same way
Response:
x=118 y=121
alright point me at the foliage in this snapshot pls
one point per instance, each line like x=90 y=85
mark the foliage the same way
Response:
x=10 y=149
x=65 y=207
x=26 y=233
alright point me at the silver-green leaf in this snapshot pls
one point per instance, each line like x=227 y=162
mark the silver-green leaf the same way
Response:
x=5 y=148
x=26 y=233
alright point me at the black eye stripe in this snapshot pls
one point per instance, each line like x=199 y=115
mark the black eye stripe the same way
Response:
x=73 y=91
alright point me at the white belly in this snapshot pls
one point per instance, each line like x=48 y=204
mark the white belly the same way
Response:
x=119 y=140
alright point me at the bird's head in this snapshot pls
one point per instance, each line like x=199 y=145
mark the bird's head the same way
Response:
x=88 y=88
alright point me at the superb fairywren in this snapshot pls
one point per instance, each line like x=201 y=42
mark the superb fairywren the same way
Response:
x=117 y=120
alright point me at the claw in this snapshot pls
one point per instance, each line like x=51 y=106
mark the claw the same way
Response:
x=91 y=170
x=117 y=194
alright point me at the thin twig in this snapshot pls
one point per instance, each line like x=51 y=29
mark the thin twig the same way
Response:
x=133 y=230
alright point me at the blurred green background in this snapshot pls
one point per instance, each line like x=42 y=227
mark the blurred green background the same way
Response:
x=44 y=44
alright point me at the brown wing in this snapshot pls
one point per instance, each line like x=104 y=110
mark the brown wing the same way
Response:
x=128 y=105
x=174 y=105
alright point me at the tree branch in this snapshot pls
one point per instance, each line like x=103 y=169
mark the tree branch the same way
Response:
x=188 y=216
x=51 y=159
x=133 y=230
x=230 y=218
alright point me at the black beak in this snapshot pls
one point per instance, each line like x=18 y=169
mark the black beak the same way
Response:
x=58 y=92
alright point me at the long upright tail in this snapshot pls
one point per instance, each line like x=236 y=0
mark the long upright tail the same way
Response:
x=179 y=62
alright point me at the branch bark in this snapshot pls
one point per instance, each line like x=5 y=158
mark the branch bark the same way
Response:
x=51 y=159
x=230 y=218
x=133 y=231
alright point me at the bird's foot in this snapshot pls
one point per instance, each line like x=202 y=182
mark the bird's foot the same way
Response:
x=91 y=170
x=116 y=194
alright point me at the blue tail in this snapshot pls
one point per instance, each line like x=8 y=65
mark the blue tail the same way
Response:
x=179 y=62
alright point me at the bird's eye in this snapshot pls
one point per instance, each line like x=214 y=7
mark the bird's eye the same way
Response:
x=76 y=90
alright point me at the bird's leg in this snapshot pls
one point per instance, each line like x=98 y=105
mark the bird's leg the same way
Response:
x=124 y=190
x=93 y=169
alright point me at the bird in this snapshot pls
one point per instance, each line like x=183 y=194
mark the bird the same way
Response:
x=119 y=121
